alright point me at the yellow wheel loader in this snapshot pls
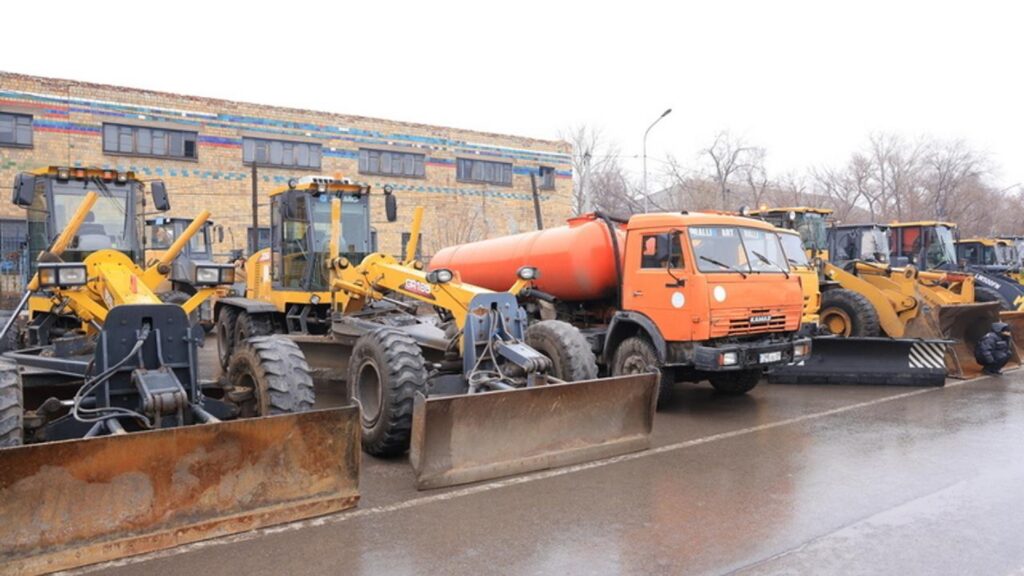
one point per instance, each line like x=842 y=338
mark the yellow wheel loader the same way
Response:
x=111 y=443
x=863 y=296
x=468 y=388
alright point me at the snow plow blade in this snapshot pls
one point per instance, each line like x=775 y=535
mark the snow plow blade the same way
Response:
x=965 y=324
x=78 y=502
x=868 y=361
x=474 y=437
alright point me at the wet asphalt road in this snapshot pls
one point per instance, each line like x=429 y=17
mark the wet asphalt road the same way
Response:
x=787 y=480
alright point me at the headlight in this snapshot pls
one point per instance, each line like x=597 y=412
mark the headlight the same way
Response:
x=212 y=275
x=801 y=350
x=527 y=273
x=62 y=274
x=728 y=359
x=440 y=276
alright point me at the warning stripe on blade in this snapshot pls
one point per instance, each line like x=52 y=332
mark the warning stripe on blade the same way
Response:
x=927 y=355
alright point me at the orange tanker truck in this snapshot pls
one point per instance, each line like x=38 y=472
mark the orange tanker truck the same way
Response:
x=699 y=296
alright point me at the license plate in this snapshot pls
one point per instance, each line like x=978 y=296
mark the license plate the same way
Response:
x=768 y=357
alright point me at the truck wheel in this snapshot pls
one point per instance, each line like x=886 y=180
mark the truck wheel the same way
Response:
x=12 y=340
x=226 y=334
x=11 y=413
x=269 y=375
x=735 y=383
x=178 y=297
x=571 y=358
x=384 y=373
x=986 y=294
x=848 y=313
x=636 y=355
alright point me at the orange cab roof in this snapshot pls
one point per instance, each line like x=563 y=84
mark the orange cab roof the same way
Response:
x=666 y=219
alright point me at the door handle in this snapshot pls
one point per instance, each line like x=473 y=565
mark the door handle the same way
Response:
x=638 y=293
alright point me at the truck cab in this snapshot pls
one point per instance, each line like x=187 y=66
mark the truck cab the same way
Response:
x=715 y=293
x=810 y=223
x=989 y=254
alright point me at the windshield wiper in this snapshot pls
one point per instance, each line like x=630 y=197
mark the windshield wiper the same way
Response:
x=765 y=259
x=724 y=265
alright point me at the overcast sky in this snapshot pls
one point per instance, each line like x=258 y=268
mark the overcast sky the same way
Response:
x=807 y=80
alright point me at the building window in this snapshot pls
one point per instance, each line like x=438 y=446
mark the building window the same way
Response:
x=264 y=237
x=283 y=153
x=15 y=130
x=547 y=178
x=143 y=141
x=484 y=171
x=406 y=237
x=403 y=164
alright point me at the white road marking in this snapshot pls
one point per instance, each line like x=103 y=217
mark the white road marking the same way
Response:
x=497 y=484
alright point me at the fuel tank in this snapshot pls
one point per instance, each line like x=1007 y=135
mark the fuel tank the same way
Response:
x=577 y=261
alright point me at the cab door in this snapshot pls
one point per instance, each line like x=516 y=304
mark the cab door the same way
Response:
x=658 y=282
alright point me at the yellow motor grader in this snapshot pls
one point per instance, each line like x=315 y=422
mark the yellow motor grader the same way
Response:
x=469 y=389
x=110 y=444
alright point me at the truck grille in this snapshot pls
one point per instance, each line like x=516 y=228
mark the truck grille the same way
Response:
x=749 y=321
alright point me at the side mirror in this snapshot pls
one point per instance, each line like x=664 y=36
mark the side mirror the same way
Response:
x=220 y=233
x=161 y=202
x=24 y=189
x=391 y=207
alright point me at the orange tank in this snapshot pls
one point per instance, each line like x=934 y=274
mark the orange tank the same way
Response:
x=576 y=261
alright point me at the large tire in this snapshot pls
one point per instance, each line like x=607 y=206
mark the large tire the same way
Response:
x=572 y=359
x=986 y=294
x=269 y=375
x=178 y=297
x=735 y=383
x=252 y=325
x=225 y=328
x=384 y=373
x=848 y=313
x=12 y=340
x=11 y=410
x=636 y=355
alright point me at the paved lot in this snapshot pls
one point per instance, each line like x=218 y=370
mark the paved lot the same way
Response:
x=786 y=480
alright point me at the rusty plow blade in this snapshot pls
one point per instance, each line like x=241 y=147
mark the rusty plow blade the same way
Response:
x=964 y=324
x=1015 y=319
x=473 y=437
x=78 y=502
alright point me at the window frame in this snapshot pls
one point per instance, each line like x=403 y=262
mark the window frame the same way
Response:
x=676 y=263
x=471 y=180
x=31 y=132
x=283 y=145
x=419 y=161
x=165 y=138
x=543 y=184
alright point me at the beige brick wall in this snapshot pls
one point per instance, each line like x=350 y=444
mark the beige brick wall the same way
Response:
x=67 y=130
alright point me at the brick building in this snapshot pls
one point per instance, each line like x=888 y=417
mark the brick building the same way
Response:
x=472 y=184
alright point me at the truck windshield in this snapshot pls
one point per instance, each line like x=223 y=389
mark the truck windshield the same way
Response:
x=106 y=226
x=793 y=247
x=737 y=249
x=355 y=234
x=1004 y=255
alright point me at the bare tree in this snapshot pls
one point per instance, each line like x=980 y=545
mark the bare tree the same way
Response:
x=590 y=153
x=727 y=155
x=612 y=191
x=755 y=175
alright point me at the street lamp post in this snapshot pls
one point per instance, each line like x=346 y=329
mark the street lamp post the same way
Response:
x=647 y=202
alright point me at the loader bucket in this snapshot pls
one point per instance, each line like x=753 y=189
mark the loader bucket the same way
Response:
x=868 y=361
x=473 y=437
x=77 y=502
x=965 y=324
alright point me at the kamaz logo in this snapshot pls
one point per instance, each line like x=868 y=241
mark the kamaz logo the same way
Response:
x=763 y=319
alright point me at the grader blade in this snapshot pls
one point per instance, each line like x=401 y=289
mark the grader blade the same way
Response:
x=78 y=502
x=473 y=437
x=868 y=361
x=965 y=324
